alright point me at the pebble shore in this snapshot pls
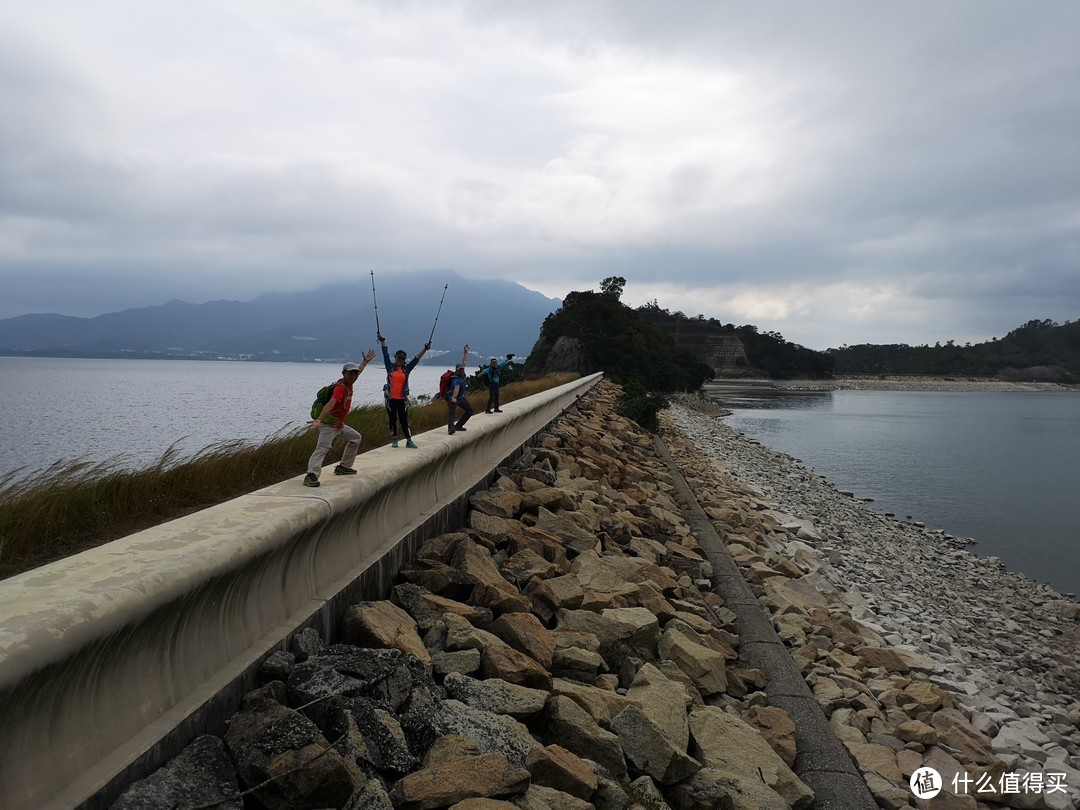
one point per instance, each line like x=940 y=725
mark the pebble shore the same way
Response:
x=1001 y=648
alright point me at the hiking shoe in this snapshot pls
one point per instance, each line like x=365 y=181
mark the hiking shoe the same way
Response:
x=487 y=411
x=311 y=480
x=498 y=410
x=410 y=444
x=393 y=443
x=450 y=431
x=340 y=470
x=459 y=427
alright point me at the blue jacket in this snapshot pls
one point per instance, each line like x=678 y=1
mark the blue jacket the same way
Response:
x=492 y=374
x=456 y=388
x=390 y=366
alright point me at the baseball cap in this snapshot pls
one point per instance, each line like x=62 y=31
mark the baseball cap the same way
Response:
x=458 y=367
x=350 y=367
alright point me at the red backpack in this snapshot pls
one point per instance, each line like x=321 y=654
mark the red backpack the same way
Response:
x=444 y=382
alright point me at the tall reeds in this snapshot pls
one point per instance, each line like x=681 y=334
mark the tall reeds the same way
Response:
x=76 y=505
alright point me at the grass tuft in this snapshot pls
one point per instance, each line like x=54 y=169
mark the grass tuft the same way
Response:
x=76 y=505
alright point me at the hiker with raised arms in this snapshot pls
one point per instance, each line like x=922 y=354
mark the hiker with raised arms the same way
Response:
x=491 y=374
x=329 y=420
x=397 y=390
x=455 y=397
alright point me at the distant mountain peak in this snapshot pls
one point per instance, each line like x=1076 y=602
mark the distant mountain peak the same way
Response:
x=495 y=317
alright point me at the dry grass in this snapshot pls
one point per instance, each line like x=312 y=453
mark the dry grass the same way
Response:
x=74 y=506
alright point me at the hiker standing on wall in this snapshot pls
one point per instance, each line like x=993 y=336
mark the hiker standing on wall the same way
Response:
x=491 y=373
x=397 y=390
x=331 y=423
x=455 y=397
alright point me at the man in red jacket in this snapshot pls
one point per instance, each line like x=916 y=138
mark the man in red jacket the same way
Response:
x=331 y=423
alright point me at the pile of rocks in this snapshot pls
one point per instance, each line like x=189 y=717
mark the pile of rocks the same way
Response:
x=922 y=654
x=564 y=650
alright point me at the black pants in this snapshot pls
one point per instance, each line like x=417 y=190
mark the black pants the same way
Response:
x=493 y=397
x=398 y=409
x=466 y=412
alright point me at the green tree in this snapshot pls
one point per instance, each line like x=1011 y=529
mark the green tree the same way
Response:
x=613 y=286
x=618 y=341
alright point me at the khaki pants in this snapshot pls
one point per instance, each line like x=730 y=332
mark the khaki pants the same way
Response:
x=327 y=434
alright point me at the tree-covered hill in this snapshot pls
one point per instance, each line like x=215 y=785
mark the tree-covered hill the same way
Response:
x=595 y=331
x=739 y=351
x=1037 y=350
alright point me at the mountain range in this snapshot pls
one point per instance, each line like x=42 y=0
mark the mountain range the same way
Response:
x=329 y=324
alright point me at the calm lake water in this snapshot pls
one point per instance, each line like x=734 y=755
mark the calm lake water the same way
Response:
x=1002 y=468
x=63 y=409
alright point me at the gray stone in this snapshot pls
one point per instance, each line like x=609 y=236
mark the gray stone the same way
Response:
x=492 y=733
x=731 y=748
x=201 y=774
x=495 y=695
x=646 y=746
x=572 y=727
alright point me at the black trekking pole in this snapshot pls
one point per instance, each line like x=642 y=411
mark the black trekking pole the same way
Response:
x=437 y=314
x=378 y=331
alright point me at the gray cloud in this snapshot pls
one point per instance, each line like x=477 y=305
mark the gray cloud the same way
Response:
x=841 y=173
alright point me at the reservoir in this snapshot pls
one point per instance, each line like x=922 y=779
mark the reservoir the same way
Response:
x=1002 y=468
x=131 y=411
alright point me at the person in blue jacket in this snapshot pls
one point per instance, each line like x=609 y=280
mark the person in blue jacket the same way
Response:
x=396 y=390
x=455 y=398
x=491 y=373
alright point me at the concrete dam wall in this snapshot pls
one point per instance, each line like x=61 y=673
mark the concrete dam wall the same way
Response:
x=112 y=659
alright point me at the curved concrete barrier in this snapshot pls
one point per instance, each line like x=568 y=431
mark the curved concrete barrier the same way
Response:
x=112 y=659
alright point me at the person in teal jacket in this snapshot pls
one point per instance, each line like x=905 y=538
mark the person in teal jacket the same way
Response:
x=491 y=373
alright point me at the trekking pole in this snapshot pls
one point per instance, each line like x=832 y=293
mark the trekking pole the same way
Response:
x=437 y=313
x=378 y=331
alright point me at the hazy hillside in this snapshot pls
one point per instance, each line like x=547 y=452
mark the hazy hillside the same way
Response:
x=1037 y=350
x=739 y=351
x=330 y=323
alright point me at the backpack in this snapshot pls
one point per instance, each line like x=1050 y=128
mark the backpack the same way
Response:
x=322 y=396
x=444 y=382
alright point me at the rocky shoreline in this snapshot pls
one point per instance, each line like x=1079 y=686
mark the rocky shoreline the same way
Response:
x=998 y=650
x=566 y=650
x=920 y=383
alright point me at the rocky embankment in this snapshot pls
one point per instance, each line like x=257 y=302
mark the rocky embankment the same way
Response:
x=566 y=650
x=956 y=663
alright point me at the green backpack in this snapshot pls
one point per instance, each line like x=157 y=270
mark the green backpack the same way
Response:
x=324 y=395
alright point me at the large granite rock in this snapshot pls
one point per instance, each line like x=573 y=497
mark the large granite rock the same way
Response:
x=284 y=756
x=201 y=775
x=444 y=784
x=732 y=750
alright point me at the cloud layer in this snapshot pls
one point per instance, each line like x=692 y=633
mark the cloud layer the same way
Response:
x=839 y=172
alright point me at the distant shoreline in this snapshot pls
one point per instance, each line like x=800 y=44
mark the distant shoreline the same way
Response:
x=892 y=383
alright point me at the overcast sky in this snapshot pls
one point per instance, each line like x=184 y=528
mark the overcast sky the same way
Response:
x=841 y=172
